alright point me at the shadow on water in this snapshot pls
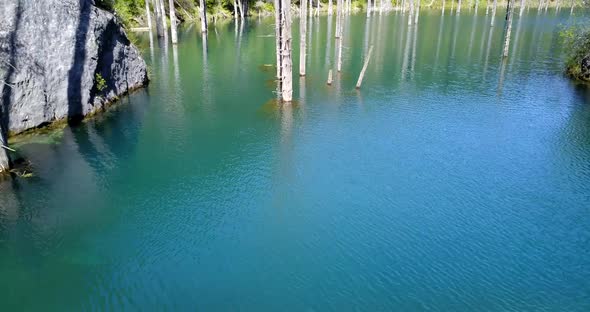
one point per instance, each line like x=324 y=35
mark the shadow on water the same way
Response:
x=7 y=81
x=75 y=74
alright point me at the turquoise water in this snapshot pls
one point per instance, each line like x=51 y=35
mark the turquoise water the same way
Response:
x=450 y=182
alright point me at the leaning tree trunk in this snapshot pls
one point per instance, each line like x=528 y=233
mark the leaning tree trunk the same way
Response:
x=203 y=16
x=284 y=50
x=241 y=6
x=235 y=11
x=302 y=38
x=508 y=29
x=173 y=22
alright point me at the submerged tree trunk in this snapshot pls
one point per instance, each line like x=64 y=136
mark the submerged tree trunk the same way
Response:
x=203 y=16
x=173 y=22
x=302 y=39
x=508 y=29
x=284 y=61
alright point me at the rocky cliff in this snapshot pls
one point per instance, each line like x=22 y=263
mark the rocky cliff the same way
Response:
x=61 y=59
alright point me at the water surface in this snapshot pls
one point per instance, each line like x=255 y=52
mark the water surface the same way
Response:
x=451 y=181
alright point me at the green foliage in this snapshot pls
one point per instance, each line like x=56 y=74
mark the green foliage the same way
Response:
x=101 y=84
x=576 y=41
x=126 y=10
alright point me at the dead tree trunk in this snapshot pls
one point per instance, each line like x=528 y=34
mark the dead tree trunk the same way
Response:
x=241 y=6
x=522 y=5
x=340 y=37
x=360 y=80
x=411 y=12
x=284 y=60
x=148 y=15
x=203 y=16
x=163 y=15
x=417 y=12
x=508 y=29
x=303 y=38
x=159 y=30
x=459 y=7
x=173 y=22
x=494 y=13
x=4 y=159
x=330 y=7
x=368 y=8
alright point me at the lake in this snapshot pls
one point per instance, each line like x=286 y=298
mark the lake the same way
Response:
x=451 y=181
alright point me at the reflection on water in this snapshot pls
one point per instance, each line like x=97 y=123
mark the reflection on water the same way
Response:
x=451 y=180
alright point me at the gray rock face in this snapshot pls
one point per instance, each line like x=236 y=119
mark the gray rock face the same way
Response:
x=61 y=59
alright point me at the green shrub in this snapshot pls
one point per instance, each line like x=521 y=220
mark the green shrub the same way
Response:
x=576 y=41
x=100 y=83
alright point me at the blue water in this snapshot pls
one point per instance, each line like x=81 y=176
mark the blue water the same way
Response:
x=450 y=182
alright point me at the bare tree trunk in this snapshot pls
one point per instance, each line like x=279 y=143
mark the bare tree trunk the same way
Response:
x=340 y=37
x=241 y=7
x=508 y=29
x=546 y=5
x=443 y=8
x=4 y=159
x=522 y=5
x=147 y=13
x=163 y=15
x=572 y=9
x=404 y=6
x=203 y=16
x=368 y=8
x=360 y=80
x=487 y=7
x=411 y=12
x=317 y=12
x=159 y=30
x=417 y=12
x=284 y=61
x=310 y=8
x=494 y=13
x=330 y=7
x=302 y=39
x=277 y=5
x=236 y=10
x=173 y=22
x=459 y=7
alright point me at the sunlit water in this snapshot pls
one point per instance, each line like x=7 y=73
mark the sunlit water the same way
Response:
x=448 y=182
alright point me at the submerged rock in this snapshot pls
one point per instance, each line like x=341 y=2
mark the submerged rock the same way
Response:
x=62 y=59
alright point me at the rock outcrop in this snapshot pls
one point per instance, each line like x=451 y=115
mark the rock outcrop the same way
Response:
x=61 y=59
